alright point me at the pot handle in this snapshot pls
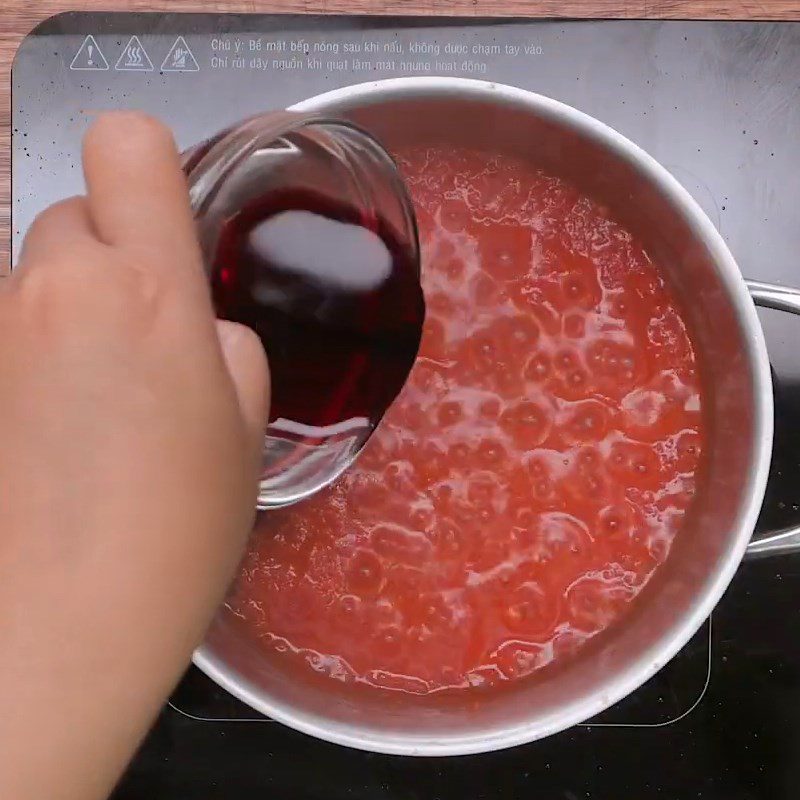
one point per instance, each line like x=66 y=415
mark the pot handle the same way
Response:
x=786 y=540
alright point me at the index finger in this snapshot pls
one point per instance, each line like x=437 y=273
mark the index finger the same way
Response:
x=137 y=191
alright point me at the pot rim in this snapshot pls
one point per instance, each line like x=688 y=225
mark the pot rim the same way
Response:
x=649 y=662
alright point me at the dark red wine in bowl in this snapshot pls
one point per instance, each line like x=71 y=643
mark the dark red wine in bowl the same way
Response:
x=310 y=240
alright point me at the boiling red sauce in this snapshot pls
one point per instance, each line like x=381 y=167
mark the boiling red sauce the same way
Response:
x=531 y=475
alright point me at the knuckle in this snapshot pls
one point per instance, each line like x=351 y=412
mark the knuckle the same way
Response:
x=56 y=211
x=38 y=284
x=33 y=296
x=141 y=285
x=112 y=290
x=129 y=129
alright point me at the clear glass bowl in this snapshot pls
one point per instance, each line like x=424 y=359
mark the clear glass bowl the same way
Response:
x=331 y=158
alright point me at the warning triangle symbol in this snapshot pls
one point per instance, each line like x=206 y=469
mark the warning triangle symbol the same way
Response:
x=89 y=56
x=180 y=58
x=134 y=57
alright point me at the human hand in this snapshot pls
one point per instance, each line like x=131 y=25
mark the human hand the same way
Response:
x=131 y=426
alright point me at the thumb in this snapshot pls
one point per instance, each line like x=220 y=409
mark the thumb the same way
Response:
x=247 y=366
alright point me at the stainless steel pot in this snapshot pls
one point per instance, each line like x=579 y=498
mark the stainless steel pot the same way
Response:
x=738 y=401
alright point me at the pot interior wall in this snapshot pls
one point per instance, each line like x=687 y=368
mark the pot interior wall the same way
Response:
x=660 y=621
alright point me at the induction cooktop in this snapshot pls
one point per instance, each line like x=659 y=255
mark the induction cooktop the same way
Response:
x=718 y=103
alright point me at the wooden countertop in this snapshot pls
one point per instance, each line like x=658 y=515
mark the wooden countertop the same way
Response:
x=18 y=17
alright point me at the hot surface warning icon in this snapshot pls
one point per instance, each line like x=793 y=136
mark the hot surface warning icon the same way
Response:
x=180 y=58
x=134 y=57
x=89 y=56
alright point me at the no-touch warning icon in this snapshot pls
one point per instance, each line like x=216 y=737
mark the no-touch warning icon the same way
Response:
x=180 y=58
x=134 y=58
x=89 y=56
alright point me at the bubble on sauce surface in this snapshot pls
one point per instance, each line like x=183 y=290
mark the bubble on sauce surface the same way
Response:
x=533 y=471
